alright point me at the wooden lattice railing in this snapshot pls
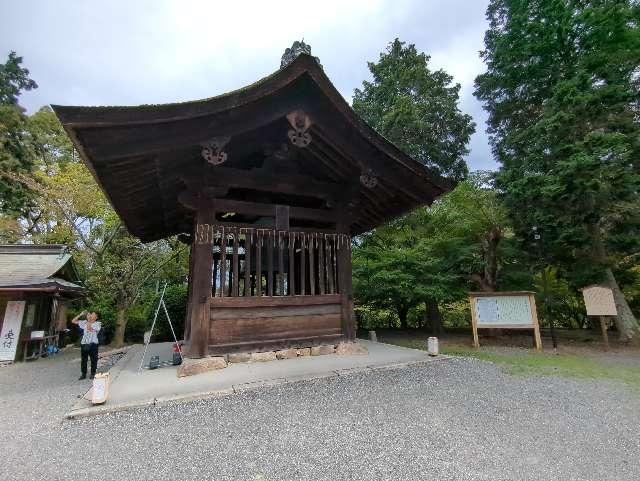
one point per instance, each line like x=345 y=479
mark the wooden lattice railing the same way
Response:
x=265 y=262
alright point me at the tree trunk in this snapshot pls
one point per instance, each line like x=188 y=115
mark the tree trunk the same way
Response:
x=433 y=317
x=491 y=265
x=121 y=325
x=402 y=314
x=626 y=323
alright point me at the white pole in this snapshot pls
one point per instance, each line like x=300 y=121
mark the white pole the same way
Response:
x=155 y=317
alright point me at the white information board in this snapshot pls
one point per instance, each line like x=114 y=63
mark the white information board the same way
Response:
x=11 y=326
x=504 y=311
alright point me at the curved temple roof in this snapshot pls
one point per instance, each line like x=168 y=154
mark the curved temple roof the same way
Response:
x=144 y=157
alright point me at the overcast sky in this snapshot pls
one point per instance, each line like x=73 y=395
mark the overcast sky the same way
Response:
x=135 y=52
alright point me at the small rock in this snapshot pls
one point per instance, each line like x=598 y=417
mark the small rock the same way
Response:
x=351 y=349
x=239 y=357
x=286 y=354
x=322 y=350
x=263 y=356
x=304 y=351
x=190 y=367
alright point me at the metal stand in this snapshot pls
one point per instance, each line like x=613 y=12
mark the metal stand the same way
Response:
x=153 y=324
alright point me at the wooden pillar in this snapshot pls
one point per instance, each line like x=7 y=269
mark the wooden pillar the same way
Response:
x=345 y=281
x=202 y=254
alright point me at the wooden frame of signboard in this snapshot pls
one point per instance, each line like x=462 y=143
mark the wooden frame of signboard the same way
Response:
x=476 y=324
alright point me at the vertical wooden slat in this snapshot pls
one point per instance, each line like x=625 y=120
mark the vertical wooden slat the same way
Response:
x=258 y=263
x=280 y=241
x=328 y=244
x=335 y=262
x=214 y=284
x=247 y=262
x=270 y=263
x=303 y=264
x=292 y=252
x=223 y=262
x=236 y=270
x=322 y=266
x=312 y=270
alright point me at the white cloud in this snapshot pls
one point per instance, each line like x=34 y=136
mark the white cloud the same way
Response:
x=123 y=52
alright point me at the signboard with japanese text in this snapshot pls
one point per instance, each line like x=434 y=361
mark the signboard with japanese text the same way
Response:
x=599 y=301
x=504 y=310
x=11 y=330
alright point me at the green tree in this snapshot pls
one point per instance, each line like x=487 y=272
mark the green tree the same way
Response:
x=561 y=89
x=416 y=109
x=394 y=268
x=14 y=154
x=474 y=221
x=68 y=207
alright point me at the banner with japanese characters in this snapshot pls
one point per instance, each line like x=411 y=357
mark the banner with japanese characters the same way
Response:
x=11 y=330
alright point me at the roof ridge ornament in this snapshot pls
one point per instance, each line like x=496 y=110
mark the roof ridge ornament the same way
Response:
x=212 y=150
x=297 y=48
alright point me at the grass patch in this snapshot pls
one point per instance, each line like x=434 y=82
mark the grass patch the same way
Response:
x=531 y=363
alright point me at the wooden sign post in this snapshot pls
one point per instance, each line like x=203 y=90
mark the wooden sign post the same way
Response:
x=504 y=310
x=599 y=302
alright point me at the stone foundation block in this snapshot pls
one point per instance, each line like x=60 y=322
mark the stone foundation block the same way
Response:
x=240 y=357
x=286 y=354
x=191 y=367
x=322 y=350
x=351 y=349
x=263 y=356
x=304 y=351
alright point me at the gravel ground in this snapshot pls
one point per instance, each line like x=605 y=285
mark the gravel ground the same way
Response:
x=459 y=419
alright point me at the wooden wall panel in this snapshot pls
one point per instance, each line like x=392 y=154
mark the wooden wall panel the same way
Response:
x=234 y=324
x=269 y=328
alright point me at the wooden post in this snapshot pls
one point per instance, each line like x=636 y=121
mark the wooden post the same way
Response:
x=202 y=252
x=536 y=324
x=603 y=328
x=345 y=281
x=474 y=322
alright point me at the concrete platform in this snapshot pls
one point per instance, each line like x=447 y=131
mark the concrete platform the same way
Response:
x=131 y=389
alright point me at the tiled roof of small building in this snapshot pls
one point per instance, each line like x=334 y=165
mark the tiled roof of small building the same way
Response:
x=37 y=266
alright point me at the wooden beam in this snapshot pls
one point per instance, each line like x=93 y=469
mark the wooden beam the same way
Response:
x=267 y=181
x=192 y=201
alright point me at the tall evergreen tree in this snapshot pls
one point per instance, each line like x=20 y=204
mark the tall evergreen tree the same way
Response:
x=416 y=109
x=561 y=89
x=14 y=156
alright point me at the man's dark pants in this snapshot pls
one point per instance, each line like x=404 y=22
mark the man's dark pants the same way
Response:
x=89 y=351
